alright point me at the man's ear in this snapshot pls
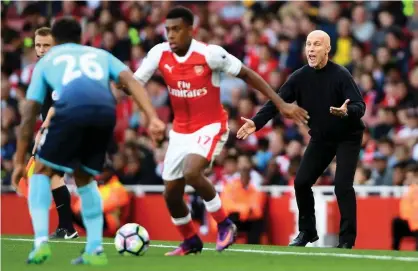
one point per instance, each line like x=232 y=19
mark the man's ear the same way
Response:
x=329 y=49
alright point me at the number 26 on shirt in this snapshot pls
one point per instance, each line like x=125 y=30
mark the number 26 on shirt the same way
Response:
x=87 y=66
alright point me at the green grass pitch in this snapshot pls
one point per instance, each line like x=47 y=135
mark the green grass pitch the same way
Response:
x=14 y=250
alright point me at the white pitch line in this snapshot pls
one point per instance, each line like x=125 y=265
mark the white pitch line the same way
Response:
x=291 y=253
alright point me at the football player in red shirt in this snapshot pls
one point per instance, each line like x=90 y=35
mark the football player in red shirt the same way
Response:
x=191 y=70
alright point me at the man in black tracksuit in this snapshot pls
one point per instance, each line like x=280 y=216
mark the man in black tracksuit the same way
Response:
x=335 y=106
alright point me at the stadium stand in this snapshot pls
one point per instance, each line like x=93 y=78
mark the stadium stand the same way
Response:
x=377 y=41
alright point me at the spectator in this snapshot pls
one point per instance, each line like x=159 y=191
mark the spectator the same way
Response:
x=382 y=175
x=273 y=174
x=399 y=173
x=386 y=147
x=386 y=21
x=244 y=203
x=363 y=28
x=263 y=155
x=136 y=17
x=158 y=91
x=363 y=176
x=122 y=46
x=407 y=223
x=410 y=130
x=266 y=36
x=344 y=43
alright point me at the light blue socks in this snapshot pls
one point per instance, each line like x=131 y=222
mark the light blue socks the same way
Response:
x=92 y=214
x=39 y=202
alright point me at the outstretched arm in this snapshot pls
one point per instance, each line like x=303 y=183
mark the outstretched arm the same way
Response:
x=269 y=110
x=35 y=96
x=356 y=106
x=31 y=109
x=219 y=59
x=257 y=82
x=155 y=126
x=138 y=93
x=266 y=113
x=120 y=73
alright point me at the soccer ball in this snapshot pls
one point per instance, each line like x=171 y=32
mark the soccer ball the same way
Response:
x=132 y=239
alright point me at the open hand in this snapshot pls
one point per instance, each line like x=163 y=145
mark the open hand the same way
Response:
x=247 y=129
x=341 y=111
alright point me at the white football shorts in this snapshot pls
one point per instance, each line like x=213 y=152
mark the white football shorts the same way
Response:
x=207 y=142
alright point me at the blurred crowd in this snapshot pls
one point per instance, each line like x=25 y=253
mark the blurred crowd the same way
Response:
x=377 y=41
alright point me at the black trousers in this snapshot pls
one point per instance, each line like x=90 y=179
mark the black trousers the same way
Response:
x=400 y=229
x=316 y=159
x=253 y=228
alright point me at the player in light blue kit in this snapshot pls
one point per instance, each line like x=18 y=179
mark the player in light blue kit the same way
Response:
x=79 y=132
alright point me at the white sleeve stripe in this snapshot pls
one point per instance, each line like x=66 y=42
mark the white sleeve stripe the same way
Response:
x=219 y=59
x=150 y=63
x=235 y=65
x=140 y=80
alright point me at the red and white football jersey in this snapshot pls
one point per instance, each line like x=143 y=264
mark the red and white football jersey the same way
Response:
x=193 y=82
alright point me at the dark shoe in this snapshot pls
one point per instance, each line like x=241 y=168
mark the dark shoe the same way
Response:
x=63 y=234
x=345 y=245
x=303 y=239
x=192 y=245
x=226 y=236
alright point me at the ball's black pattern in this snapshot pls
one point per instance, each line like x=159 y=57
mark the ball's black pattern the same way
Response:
x=135 y=232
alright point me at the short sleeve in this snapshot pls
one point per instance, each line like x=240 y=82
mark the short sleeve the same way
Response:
x=150 y=64
x=219 y=59
x=115 y=67
x=38 y=87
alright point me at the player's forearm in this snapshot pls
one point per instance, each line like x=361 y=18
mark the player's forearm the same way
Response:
x=22 y=147
x=140 y=95
x=256 y=81
x=25 y=134
x=356 y=109
x=266 y=113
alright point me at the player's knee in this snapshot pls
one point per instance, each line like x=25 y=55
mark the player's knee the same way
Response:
x=57 y=181
x=191 y=175
x=82 y=178
x=194 y=166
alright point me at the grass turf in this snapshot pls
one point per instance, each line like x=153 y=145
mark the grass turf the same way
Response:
x=239 y=257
